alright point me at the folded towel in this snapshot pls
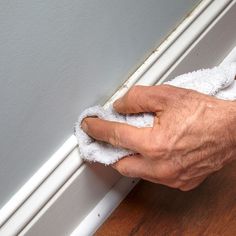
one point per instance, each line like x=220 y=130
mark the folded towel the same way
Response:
x=218 y=82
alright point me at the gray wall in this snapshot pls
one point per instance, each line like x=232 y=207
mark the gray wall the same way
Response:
x=59 y=57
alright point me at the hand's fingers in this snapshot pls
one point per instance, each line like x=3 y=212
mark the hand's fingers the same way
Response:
x=132 y=166
x=144 y=99
x=139 y=166
x=117 y=134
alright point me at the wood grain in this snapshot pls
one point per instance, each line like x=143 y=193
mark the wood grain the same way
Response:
x=152 y=209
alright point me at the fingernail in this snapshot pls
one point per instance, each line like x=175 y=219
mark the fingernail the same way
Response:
x=84 y=126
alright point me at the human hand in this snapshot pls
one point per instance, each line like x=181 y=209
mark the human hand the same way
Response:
x=193 y=135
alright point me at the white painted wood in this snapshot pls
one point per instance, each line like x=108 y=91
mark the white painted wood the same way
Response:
x=186 y=42
x=44 y=192
x=77 y=197
x=34 y=182
x=103 y=209
x=218 y=40
x=69 y=193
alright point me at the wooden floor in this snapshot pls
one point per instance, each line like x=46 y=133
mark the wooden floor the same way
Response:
x=152 y=209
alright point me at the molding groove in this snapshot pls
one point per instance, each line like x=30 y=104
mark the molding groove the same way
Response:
x=51 y=186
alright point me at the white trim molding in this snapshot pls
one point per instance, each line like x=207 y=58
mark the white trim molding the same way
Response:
x=103 y=209
x=66 y=194
x=37 y=179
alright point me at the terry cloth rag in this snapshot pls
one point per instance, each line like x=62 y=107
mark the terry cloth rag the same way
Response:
x=218 y=81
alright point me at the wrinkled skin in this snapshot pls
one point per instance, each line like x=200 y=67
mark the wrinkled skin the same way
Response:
x=193 y=135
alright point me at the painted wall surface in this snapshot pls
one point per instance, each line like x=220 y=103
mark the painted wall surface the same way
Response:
x=59 y=57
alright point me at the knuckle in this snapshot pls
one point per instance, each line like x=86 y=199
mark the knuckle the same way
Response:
x=172 y=92
x=133 y=92
x=167 y=89
x=114 y=137
x=185 y=93
x=151 y=150
x=136 y=88
x=165 y=86
x=152 y=146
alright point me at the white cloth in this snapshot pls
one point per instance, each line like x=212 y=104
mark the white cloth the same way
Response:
x=218 y=82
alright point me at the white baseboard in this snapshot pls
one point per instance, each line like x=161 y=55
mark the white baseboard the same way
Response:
x=66 y=192
x=104 y=208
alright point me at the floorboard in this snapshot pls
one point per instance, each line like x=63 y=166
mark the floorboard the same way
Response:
x=152 y=209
